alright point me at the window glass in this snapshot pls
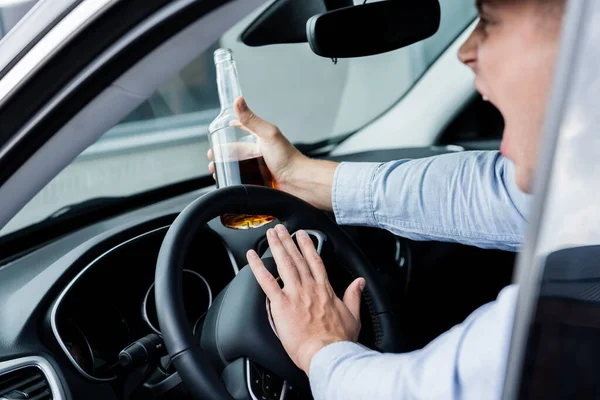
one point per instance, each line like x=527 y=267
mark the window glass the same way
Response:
x=310 y=98
x=11 y=12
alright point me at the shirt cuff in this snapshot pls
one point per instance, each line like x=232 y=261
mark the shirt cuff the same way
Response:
x=352 y=194
x=326 y=360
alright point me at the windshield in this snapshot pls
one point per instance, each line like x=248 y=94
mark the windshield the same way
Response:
x=164 y=140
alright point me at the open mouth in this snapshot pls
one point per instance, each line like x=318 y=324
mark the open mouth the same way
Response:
x=481 y=92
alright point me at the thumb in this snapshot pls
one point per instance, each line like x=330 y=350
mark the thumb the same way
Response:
x=251 y=121
x=352 y=297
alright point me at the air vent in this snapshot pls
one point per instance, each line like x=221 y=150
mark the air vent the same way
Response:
x=24 y=383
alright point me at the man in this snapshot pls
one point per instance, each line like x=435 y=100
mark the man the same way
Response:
x=476 y=198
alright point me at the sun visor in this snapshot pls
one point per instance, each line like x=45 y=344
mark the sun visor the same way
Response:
x=372 y=28
x=340 y=29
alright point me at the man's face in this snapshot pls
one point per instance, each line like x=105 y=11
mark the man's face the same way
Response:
x=512 y=52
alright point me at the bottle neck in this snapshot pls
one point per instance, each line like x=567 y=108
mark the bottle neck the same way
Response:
x=228 y=83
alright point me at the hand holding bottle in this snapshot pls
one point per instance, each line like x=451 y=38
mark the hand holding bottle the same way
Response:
x=279 y=154
x=292 y=172
x=249 y=150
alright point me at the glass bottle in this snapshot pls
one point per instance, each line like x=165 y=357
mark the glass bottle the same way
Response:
x=236 y=152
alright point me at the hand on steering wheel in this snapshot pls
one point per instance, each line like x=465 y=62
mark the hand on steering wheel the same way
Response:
x=237 y=333
x=307 y=313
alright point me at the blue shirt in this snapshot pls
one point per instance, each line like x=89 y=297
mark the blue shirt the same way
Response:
x=467 y=197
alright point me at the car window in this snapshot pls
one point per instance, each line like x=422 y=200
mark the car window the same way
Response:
x=286 y=83
x=310 y=98
x=11 y=12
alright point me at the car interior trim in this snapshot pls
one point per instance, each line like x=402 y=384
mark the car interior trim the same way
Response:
x=41 y=363
x=43 y=17
x=50 y=44
x=145 y=311
x=62 y=295
x=249 y=384
x=234 y=264
x=55 y=308
x=321 y=238
x=86 y=73
x=116 y=100
x=530 y=265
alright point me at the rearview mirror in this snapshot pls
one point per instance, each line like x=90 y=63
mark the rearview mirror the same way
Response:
x=372 y=28
x=284 y=21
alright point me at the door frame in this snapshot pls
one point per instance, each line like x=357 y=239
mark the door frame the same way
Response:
x=530 y=265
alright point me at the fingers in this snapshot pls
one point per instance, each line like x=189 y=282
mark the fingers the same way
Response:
x=352 y=297
x=238 y=124
x=211 y=164
x=294 y=253
x=285 y=264
x=265 y=279
x=251 y=121
x=313 y=259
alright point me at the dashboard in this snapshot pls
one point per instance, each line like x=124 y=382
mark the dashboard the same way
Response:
x=76 y=302
x=79 y=300
x=89 y=295
x=111 y=304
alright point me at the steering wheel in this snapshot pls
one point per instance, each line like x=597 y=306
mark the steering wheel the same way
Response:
x=237 y=335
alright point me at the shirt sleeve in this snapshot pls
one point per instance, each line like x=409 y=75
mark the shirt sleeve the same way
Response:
x=466 y=362
x=467 y=197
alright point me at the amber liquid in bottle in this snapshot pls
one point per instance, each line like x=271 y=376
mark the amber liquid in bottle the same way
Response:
x=252 y=171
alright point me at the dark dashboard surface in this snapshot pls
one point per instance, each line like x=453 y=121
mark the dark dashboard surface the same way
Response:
x=85 y=292
x=115 y=294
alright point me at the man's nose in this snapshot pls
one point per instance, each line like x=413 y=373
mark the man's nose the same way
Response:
x=467 y=53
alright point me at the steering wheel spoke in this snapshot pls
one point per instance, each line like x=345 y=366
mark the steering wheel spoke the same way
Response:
x=264 y=384
x=245 y=379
